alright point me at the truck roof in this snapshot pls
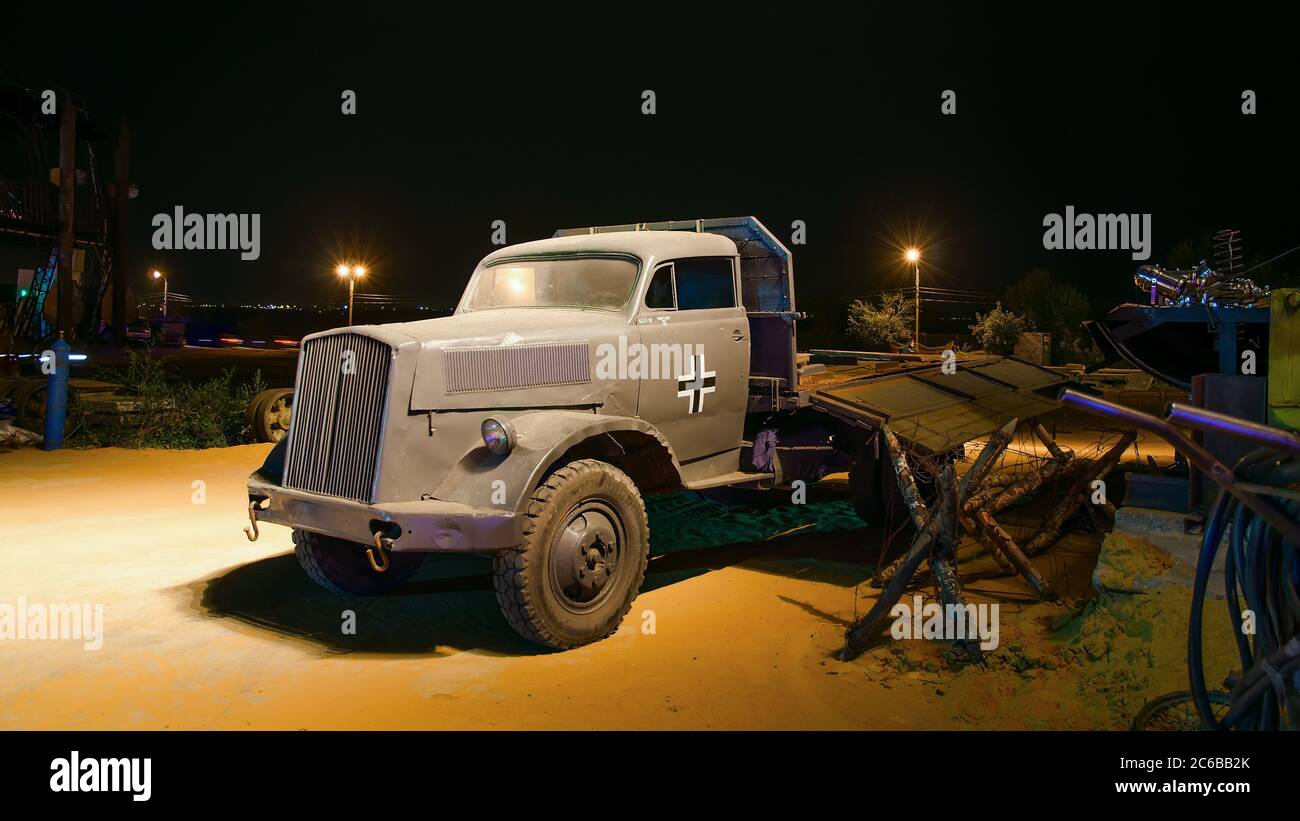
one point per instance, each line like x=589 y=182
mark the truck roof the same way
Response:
x=643 y=244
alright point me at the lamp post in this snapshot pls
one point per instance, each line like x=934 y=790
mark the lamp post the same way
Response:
x=156 y=274
x=913 y=256
x=351 y=274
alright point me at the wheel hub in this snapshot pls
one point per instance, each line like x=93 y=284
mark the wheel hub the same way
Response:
x=585 y=555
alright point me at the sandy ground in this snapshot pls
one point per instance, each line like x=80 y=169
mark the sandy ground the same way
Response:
x=204 y=629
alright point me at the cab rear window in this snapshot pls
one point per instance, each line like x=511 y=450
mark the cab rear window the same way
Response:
x=704 y=283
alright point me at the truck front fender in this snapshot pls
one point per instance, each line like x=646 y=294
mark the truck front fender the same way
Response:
x=543 y=437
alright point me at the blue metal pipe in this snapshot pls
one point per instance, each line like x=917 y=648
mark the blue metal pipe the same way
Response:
x=56 y=395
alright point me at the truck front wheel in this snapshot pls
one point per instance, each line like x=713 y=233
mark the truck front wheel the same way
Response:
x=342 y=566
x=586 y=542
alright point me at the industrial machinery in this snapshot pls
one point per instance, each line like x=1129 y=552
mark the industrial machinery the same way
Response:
x=1191 y=321
x=1223 y=285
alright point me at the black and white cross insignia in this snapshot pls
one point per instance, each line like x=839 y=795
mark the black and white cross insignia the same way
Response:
x=695 y=384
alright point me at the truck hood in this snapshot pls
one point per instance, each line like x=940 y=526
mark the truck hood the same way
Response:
x=517 y=358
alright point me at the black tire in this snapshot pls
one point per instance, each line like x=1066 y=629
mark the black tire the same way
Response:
x=586 y=543
x=29 y=401
x=342 y=566
x=1177 y=711
x=876 y=497
x=866 y=489
x=255 y=404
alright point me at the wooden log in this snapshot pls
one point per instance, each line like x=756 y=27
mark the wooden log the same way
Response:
x=1002 y=541
x=906 y=481
x=884 y=574
x=1000 y=479
x=943 y=564
x=859 y=634
x=997 y=500
x=946 y=580
x=911 y=497
x=1077 y=495
x=1049 y=442
x=969 y=524
x=973 y=478
x=984 y=462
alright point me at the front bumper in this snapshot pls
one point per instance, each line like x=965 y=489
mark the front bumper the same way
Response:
x=427 y=526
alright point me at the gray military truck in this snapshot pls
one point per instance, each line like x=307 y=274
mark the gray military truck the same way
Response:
x=578 y=375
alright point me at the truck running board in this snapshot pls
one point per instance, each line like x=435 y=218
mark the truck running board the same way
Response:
x=738 y=477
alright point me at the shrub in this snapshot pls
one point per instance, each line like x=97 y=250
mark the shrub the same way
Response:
x=174 y=413
x=882 y=326
x=999 y=330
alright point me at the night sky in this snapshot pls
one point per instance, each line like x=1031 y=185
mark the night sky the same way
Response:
x=786 y=111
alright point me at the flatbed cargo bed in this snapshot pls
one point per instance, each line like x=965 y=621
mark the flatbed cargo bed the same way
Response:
x=929 y=409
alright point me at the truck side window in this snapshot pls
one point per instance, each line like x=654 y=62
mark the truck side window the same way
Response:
x=660 y=292
x=705 y=283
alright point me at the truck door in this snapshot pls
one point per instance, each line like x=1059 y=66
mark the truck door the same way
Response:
x=695 y=339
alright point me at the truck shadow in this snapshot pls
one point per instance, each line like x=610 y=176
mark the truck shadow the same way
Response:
x=450 y=605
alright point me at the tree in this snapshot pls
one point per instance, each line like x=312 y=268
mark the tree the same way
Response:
x=1052 y=307
x=882 y=326
x=999 y=330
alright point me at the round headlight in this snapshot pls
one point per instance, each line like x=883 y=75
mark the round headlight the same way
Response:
x=498 y=435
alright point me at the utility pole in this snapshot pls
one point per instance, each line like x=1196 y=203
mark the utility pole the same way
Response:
x=352 y=284
x=67 y=212
x=351 y=273
x=913 y=255
x=156 y=274
x=120 y=199
x=916 y=268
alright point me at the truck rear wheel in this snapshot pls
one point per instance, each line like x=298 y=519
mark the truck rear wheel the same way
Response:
x=586 y=542
x=868 y=484
x=342 y=566
x=877 y=499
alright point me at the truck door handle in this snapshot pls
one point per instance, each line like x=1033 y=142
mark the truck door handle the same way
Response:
x=737 y=336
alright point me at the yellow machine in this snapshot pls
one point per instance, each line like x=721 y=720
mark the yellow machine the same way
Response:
x=1284 y=359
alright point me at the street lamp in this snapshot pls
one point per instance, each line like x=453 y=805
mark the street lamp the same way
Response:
x=351 y=274
x=156 y=274
x=913 y=255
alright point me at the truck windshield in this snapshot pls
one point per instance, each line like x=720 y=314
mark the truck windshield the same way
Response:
x=554 y=283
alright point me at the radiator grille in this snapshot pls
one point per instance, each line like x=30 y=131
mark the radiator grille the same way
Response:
x=516 y=366
x=338 y=417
